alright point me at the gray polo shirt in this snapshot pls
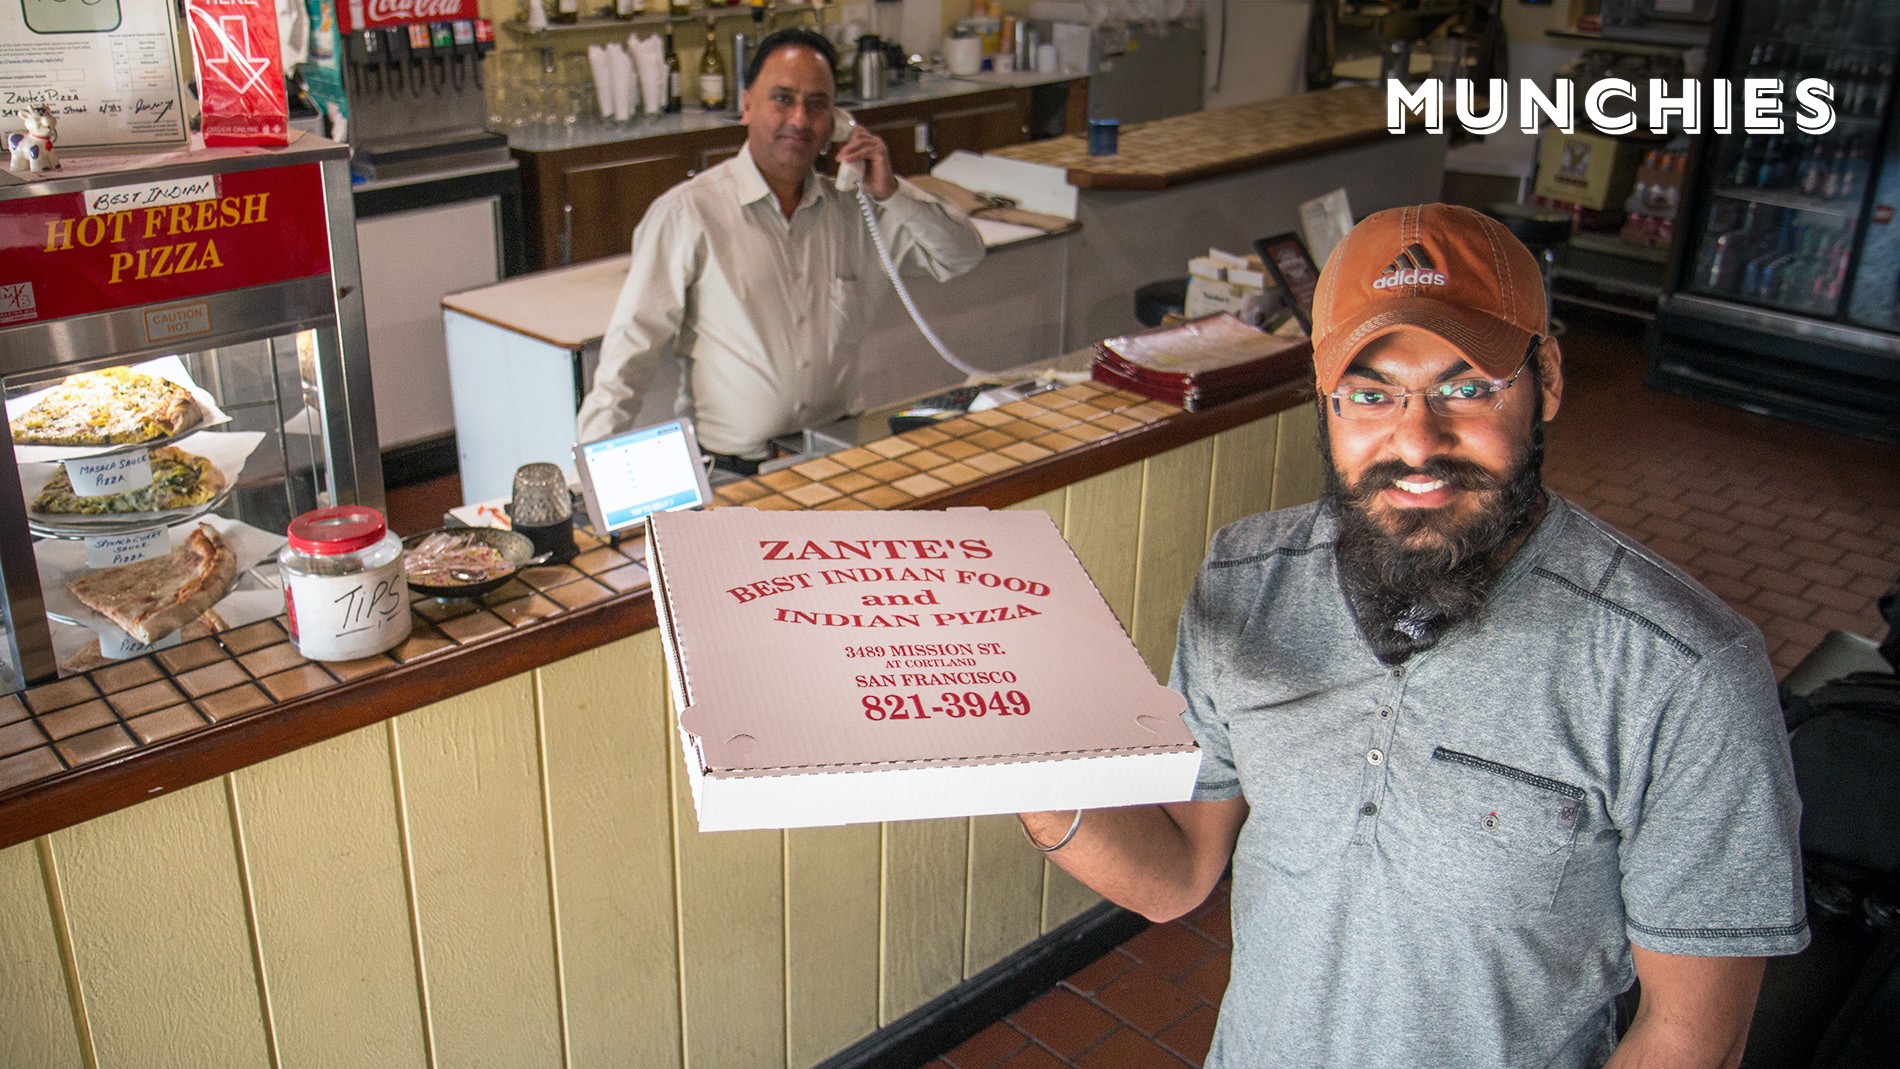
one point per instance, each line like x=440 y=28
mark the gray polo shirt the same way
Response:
x=1445 y=862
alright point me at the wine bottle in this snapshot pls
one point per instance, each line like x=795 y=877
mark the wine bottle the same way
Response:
x=672 y=76
x=712 y=72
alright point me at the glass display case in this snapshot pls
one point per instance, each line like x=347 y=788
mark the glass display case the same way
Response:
x=183 y=359
x=1784 y=297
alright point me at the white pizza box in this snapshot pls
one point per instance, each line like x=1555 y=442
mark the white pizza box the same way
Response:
x=164 y=367
x=827 y=667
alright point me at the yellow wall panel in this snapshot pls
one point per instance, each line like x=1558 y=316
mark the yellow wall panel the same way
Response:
x=1102 y=524
x=514 y=877
x=732 y=933
x=324 y=849
x=161 y=939
x=36 y=1017
x=1174 y=501
x=1005 y=893
x=1243 y=472
x=608 y=744
x=1299 y=475
x=831 y=931
x=471 y=783
x=925 y=866
x=1063 y=896
x=1055 y=503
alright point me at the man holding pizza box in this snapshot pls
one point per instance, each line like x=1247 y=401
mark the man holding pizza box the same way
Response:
x=1478 y=760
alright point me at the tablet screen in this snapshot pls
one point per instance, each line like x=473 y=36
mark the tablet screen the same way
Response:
x=652 y=469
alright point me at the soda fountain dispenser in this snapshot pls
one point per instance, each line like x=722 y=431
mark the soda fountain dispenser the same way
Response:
x=413 y=81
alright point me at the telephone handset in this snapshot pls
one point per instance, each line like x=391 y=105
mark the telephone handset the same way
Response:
x=851 y=180
x=850 y=175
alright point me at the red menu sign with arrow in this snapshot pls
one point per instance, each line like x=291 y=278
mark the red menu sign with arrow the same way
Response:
x=240 y=71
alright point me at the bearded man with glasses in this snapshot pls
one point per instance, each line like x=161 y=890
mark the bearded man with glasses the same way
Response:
x=1479 y=761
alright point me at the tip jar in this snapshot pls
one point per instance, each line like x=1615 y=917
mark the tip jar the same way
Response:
x=344 y=590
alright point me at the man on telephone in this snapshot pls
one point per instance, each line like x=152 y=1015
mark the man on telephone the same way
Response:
x=759 y=274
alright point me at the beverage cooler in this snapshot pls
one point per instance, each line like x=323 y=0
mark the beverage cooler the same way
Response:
x=229 y=278
x=1782 y=298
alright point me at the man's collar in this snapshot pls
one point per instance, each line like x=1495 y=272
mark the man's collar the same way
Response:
x=749 y=183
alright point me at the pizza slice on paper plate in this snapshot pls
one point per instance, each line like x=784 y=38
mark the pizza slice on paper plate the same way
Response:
x=150 y=599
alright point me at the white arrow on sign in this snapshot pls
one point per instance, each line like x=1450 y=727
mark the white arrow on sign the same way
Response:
x=229 y=31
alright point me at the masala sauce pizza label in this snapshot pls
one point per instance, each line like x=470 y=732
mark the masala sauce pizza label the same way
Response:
x=70 y=254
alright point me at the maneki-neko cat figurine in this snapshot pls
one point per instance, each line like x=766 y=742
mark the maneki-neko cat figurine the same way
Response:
x=33 y=147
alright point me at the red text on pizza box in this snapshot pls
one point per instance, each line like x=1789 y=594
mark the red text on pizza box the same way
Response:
x=846 y=667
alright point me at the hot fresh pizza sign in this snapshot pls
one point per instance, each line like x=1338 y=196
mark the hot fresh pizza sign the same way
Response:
x=103 y=249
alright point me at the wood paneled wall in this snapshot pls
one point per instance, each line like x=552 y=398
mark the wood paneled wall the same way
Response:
x=512 y=877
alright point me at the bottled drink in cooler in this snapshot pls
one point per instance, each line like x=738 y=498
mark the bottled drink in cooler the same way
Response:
x=1747 y=162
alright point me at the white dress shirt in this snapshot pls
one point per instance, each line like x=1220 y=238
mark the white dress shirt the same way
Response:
x=765 y=312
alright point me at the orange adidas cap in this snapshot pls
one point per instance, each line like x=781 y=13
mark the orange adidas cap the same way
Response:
x=1440 y=268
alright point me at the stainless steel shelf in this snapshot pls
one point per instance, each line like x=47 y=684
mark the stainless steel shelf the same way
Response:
x=1653 y=36
x=1781 y=198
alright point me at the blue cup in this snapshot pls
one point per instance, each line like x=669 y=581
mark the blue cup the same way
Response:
x=1103 y=136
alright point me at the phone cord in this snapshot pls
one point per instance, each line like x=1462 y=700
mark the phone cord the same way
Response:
x=903 y=291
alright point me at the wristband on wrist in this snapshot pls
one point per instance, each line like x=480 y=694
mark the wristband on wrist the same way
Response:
x=1074 y=825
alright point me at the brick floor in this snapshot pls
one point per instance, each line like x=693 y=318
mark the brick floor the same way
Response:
x=1792 y=525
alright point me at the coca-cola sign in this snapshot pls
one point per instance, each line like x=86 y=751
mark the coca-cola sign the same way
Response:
x=366 y=14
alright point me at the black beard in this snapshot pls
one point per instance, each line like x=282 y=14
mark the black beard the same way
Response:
x=1407 y=587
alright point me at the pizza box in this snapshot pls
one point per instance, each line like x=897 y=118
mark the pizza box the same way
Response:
x=850 y=667
x=1211 y=352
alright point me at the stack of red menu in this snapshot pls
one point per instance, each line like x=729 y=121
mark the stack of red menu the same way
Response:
x=1202 y=362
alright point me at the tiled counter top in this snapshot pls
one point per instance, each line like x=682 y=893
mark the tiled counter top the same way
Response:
x=91 y=744
x=1187 y=148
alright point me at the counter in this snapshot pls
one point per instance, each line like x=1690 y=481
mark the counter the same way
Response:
x=479 y=849
x=417 y=238
x=522 y=353
x=586 y=188
x=1222 y=178
x=1188 y=148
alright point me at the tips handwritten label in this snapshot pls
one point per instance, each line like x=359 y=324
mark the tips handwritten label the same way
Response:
x=108 y=550
x=115 y=474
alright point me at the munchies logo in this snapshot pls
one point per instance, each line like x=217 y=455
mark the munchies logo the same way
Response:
x=1615 y=106
x=1412 y=268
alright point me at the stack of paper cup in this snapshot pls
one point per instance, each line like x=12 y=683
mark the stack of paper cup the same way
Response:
x=963 y=55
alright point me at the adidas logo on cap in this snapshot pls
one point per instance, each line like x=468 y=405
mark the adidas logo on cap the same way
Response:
x=1412 y=268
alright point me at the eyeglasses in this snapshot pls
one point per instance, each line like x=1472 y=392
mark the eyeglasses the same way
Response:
x=1452 y=400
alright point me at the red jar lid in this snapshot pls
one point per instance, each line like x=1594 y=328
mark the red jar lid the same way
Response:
x=338 y=529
